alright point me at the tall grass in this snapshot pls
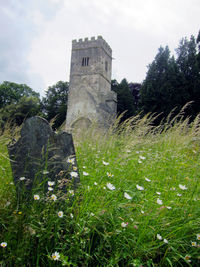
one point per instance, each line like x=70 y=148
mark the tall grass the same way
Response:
x=137 y=205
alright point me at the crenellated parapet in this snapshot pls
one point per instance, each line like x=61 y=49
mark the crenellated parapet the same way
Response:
x=92 y=42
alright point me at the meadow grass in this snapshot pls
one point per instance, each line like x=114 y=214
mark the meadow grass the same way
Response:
x=137 y=204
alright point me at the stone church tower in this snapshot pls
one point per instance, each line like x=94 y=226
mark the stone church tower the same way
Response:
x=90 y=97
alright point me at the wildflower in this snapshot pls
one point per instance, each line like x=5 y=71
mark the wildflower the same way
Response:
x=165 y=241
x=85 y=173
x=124 y=224
x=84 y=167
x=141 y=157
x=45 y=172
x=3 y=244
x=70 y=160
x=50 y=188
x=105 y=163
x=104 y=187
x=51 y=183
x=183 y=187
x=173 y=188
x=187 y=258
x=71 y=215
x=53 y=197
x=159 y=236
x=168 y=207
x=135 y=226
x=139 y=161
x=91 y=214
x=74 y=174
x=139 y=187
x=194 y=244
x=127 y=196
x=71 y=192
x=11 y=183
x=60 y=214
x=22 y=178
x=109 y=174
x=55 y=256
x=95 y=183
x=36 y=197
x=110 y=186
x=159 y=201
x=142 y=211
x=198 y=236
x=179 y=195
x=148 y=180
x=20 y=212
x=74 y=168
x=158 y=193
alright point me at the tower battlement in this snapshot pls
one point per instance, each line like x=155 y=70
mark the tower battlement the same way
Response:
x=92 y=42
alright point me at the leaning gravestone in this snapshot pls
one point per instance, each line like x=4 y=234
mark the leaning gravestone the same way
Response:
x=41 y=155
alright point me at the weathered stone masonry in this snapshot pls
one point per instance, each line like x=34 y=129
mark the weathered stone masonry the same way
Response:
x=90 y=96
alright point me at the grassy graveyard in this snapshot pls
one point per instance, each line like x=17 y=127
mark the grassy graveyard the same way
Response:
x=138 y=203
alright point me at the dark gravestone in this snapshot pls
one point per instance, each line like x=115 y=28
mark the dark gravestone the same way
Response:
x=41 y=155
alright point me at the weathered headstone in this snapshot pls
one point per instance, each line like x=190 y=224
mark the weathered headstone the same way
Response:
x=41 y=154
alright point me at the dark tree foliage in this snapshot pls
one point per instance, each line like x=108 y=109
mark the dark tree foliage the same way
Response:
x=17 y=102
x=10 y=93
x=54 y=104
x=125 y=101
x=172 y=83
x=16 y=113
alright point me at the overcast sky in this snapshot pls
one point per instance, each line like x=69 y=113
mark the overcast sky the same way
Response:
x=36 y=35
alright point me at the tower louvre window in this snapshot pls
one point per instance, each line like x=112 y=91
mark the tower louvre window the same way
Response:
x=85 y=61
x=106 y=65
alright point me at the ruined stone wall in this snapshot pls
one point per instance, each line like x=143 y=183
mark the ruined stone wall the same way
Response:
x=90 y=96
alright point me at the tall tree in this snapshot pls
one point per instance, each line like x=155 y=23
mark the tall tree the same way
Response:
x=125 y=102
x=12 y=92
x=54 y=104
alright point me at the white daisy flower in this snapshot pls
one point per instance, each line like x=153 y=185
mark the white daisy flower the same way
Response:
x=110 y=186
x=50 y=183
x=124 y=224
x=158 y=193
x=159 y=236
x=22 y=178
x=60 y=214
x=54 y=197
x=168 y=207
x=105 y=163
x=159 y=201
x=139 y=187
x=36 y=197
x=198 y=236
x=187 y=258
x=182 y=187
x=95 y=183
x=179 y=195
x=85 y=173
x=50 y=188
x=165 y=241
x=74 y=174
x=55 y=256
x=4 y=244
x=139 y=161
x=70 y=160
x=127 y=196
x=148 y=180
x=109 y=174
x=142 y=211
x=194 y=244
x=71 y=192
x=91 y=214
